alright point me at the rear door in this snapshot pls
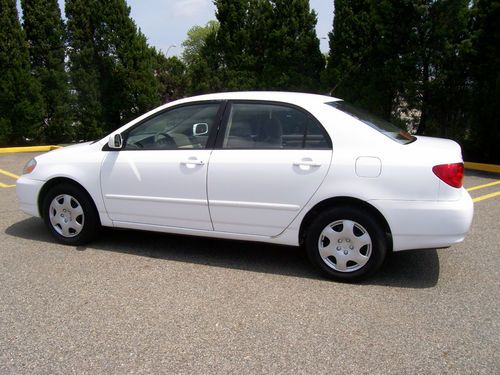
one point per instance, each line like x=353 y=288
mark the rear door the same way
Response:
x=269 y=160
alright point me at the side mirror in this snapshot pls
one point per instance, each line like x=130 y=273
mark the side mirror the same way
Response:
x=115 y=141
x=200 y=128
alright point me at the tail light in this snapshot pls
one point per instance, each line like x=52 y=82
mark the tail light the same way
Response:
x=452 y=174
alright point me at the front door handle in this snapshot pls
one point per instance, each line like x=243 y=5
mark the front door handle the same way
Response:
x=192 y=161
x=306 y=163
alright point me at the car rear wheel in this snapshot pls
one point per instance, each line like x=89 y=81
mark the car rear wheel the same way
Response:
x=70 y=214
x=346 y=244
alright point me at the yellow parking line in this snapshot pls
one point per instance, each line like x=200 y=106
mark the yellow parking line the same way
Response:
x=11 y=150
x=483 y=186
x=483 y=167
x=9 y=174
x=6 y=186
x=487 y=196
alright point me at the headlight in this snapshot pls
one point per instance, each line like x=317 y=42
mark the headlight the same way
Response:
x=29 y=167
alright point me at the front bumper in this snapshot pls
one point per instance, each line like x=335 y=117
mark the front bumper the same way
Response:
x=27 y=193
x=427 y=224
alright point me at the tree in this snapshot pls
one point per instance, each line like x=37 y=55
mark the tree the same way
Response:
x=20 y=105
x=404 y=61
x=196 y=41
x=86 y=67
x=132 y=88
x=263 y=44
x=112 y=66
x=171 y=74
x=236 y=71
x=206 y=72
x=482 y=145
x=367 y=63
x=440 y=38
x=294 y=60
x=46 y=40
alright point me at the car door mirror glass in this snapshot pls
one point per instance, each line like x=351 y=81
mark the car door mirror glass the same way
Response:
x=115 y=141
x=200 y=128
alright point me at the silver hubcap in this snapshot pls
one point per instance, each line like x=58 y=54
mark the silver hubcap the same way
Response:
x=66 y=215
x=345 y=245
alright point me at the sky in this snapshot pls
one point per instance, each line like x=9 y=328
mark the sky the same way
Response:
x=166 y=22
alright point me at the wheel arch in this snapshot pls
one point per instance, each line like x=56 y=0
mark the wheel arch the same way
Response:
x=57 y=181
x=344 y=202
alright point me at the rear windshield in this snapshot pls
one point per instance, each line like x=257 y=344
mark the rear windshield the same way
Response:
x=383 y=126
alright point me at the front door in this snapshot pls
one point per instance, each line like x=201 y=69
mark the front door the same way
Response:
x=159 y=177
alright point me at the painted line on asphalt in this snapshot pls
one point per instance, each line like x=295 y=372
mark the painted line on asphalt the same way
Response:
x=7 y=173
x=482 y=167
x=487 y=196
x=12 y=150
x=484 y=185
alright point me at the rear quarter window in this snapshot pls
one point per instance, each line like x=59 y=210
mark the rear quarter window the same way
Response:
x=375 y=122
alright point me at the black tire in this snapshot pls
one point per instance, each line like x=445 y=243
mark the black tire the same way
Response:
x=348 y=268
x=83 y=224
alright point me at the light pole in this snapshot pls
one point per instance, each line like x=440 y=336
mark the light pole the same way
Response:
x=168 y=49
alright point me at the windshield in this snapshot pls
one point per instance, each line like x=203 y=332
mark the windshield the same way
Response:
x=383 y=126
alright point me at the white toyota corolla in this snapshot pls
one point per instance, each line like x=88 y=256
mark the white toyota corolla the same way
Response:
x=286 y=168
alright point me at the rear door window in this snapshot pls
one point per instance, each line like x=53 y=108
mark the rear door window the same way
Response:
x=272 y=126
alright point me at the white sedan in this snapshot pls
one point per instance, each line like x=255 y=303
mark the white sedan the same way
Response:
x=285 y=168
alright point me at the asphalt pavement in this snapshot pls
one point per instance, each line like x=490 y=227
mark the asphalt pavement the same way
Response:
x=139 y=302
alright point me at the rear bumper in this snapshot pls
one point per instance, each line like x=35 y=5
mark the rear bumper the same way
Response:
x=427 y=224
x=27 y=193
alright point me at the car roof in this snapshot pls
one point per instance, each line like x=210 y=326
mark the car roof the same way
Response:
x=297 y=98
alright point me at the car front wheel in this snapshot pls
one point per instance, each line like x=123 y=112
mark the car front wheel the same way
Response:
x=346 y=244
x=70 y=214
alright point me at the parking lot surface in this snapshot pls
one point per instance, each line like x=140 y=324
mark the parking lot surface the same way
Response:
x=138 y=302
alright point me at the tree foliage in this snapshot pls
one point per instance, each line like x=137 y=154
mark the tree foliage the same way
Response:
x=427 y=64
x=196 y=41
x=111 y=65
x=46 y=40
x=294 y=60
x=20 y=104
x=485 y=80
x=369 y=59
x=86 y=68
x=440 y=37
x=260 y=44
x=170 y=72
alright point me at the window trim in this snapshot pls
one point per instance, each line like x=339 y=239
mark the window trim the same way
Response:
x=219 y=142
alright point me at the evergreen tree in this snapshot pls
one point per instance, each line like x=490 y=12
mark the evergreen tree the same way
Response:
x=206 y=72
x=263 y=44
x=485 y=78
x=367 y=62
x=20 y=108
x=403 y=60
x=294 y=60
x=86 y=67
x=232 y=44
x=171 y=74
x=112 y=67
x=46 y=40
x=131 y=85
x=440 y=38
